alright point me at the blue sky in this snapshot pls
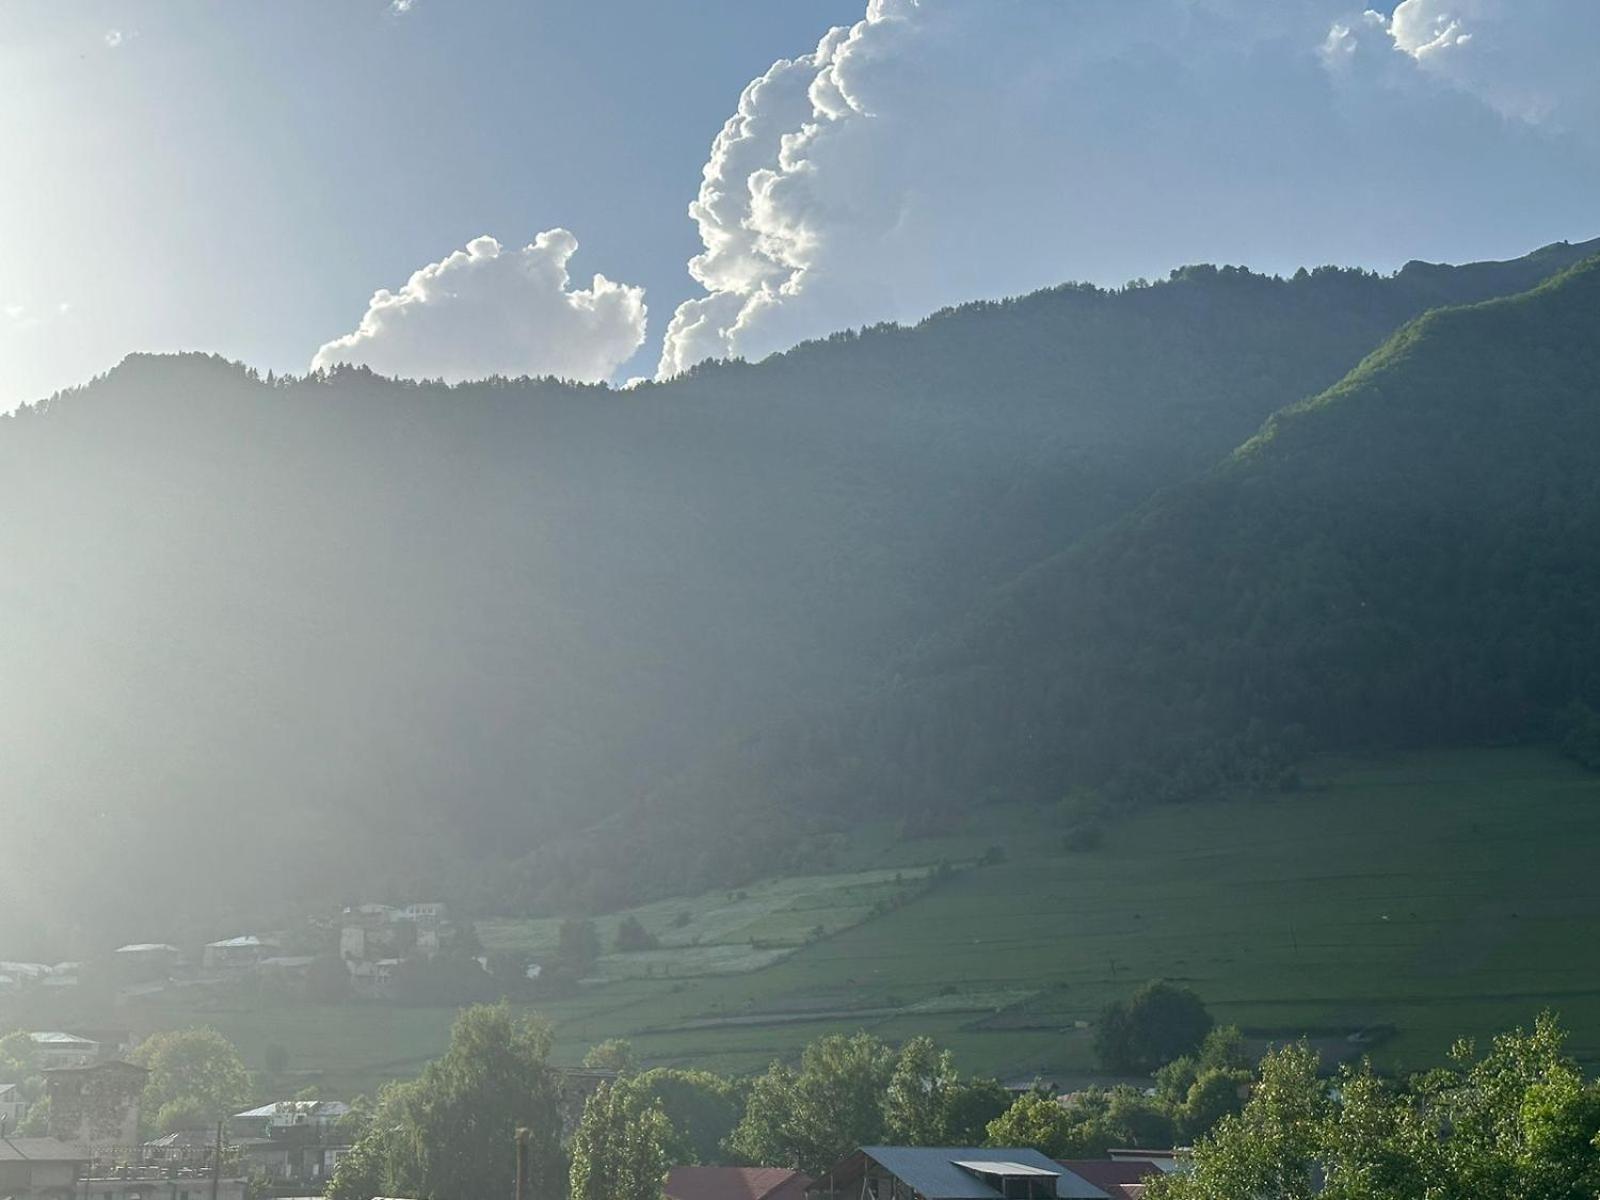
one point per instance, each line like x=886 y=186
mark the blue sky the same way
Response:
x=241 y=177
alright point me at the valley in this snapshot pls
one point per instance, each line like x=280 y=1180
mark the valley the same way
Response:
x=1430 y=892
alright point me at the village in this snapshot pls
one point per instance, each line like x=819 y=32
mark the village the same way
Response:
x=357 y=953
x=75 y=1130
x=92 y=1150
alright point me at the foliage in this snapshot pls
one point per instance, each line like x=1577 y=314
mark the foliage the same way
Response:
x=613 y=1054
x=196 y=1077
x=701 y=1108
x=447 y=979
x=631 y=935
x=620 y=1149
x=928 y=1103
x=1035 y=1121
x=856 y=1091
x=19 y=1064
x=1519 y=1121
x=1083 y=1125
x=449 y=1135
x=580 y=944
x=327 y=980
x=811 y=1116
x=821 y=510
x=1159 y=1023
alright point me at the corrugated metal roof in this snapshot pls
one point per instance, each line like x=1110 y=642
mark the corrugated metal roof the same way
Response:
x=936 y=1172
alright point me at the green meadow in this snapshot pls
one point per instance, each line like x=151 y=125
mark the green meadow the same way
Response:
x=1387 y=907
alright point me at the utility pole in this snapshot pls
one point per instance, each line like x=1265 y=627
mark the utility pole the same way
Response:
x=216 y=1164
x=522 y=1164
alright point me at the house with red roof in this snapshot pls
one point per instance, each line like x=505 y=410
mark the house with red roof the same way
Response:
x=735 y=1183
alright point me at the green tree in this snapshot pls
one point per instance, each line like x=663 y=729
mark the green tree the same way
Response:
x=579 y=944
x=1272 y=1148
x=1157 y=1024
x=196 y=1077
x=812 y=1116
x=632 y=935
x=450 y=1134
x=613 y=1054
x=1521 y=1121
x=1199 y=1090
x=928 y=1103
x=1035 y=1121
x=19 y=1064
x=702 y=1108
x=620 y=1149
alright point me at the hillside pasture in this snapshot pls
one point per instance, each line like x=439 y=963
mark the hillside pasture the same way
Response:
x=1439 y=894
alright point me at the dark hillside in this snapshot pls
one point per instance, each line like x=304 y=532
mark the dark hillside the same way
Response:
x=277 y=642
x=1411 y=558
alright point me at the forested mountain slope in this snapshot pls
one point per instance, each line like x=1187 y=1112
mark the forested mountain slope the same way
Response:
x=1410 y=558
x=270 y=641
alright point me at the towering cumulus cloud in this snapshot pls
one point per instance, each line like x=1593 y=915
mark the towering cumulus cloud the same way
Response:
x=942 y=150
x=486 y=310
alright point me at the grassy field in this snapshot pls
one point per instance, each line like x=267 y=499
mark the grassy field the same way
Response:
x=1436 y=893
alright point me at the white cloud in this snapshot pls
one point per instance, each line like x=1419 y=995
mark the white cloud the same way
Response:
x=1532 y=60
x=402 y=6
x=486 y=310
x=942 y=150
x=113 y=38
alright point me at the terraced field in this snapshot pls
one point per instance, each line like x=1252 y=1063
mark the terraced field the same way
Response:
x=1436 y=894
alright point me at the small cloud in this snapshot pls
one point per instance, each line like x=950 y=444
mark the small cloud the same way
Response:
x=63 y=307
x=400 y=7
x=13 y=312
x=493 y=310
x=114 y=38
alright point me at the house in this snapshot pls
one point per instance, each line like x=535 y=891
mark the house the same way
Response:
x=195 y=1148
x=950 y=1173
x=40 y=1168
x=372 y=980
x=96 y=1105
x=1120 y=1180
x=427 y=911
x=1165 y=1161
x=263 y=1122
x=287 y=971
x=12 y=1106
x=151 y=1182
x=297 y=1157
x=236 y=953
x=53 y=1048
x=145 y=962
x=353 y=942
x=373 y=914
x=735 y=1183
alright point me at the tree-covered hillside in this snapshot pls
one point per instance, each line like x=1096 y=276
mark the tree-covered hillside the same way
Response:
x=275 y=641
x=1407 y=559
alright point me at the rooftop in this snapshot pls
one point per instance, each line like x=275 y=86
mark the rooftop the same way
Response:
x=57 y=1038
x=40 y=1149
x=730 y=1183
x=955 y=1173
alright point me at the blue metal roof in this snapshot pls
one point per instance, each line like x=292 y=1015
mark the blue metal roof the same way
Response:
x=931 y=1171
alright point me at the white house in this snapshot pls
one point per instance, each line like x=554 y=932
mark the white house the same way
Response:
x=236 y=953
x=320 y=1115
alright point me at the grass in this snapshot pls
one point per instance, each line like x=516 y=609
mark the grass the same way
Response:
x=1443 y=894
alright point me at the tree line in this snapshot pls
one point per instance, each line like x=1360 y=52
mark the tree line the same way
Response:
x=1518 y=1120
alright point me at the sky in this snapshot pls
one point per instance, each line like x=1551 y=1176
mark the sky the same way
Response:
x=615 y=189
